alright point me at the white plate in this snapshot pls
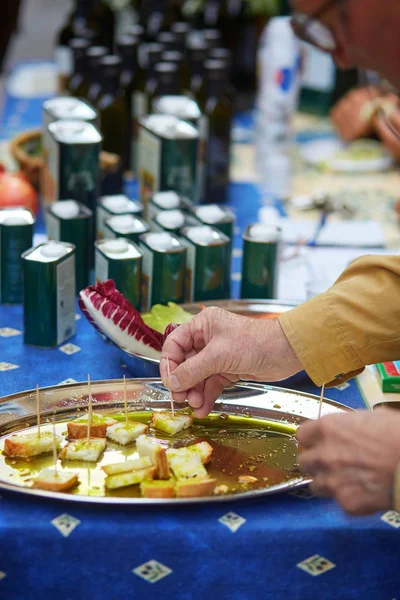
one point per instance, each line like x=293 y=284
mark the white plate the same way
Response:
x=321 y=153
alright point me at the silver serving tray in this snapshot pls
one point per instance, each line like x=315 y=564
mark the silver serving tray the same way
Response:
x=18 y=411
x=142 y=366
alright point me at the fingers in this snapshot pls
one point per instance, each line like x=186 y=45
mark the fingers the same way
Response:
x=308 y=434
x=213 y=387
x=195 y=370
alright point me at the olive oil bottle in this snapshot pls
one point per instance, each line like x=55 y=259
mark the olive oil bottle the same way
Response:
x=166 y=81
x=197 y=54
x=181 y=29
x=113 y=121
x=93 y=56
x=78 y=85
x=217 y=107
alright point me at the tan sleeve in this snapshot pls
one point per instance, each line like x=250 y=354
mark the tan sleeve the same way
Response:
x=355 y=323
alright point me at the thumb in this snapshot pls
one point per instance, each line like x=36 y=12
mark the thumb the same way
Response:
x=195 y=369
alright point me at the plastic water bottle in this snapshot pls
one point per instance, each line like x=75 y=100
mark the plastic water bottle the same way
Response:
x=278 y=91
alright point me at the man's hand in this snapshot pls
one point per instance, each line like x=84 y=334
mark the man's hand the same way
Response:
x=217 y=348
x=352 y=457
x=388 y=129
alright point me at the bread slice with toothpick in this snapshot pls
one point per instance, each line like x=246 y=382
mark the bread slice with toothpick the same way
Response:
x=28 y=445
x=82 y=450
x=55 y=481
x=165 y=422
x=77 y=429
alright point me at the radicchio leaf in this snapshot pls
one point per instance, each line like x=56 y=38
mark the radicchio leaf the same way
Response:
x=111 y=314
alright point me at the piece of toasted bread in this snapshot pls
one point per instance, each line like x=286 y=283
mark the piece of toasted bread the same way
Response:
x=127 y=466
x=56 y=481
x=81 y=450
x=28 y=445
x=195 y=488
x=203 y=449
x=162 y=464
x=113 y=482
x=158 y=489
x=77 y=429
x=187 y=466
x=164 y=421
x=126 y=433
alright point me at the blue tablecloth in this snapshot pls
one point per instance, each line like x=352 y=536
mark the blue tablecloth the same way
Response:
x=287 y=546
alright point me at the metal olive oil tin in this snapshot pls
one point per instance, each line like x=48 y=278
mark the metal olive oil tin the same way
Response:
x=16 y=236
x=167 y=157
x=172 y=221
x=109 y=206
x=69 y=221
x=164 y=269
x=71 y=168
x=49 y=294
x=187 y=109
x=208 y=253
x=126 y=226
x=260 y=262
x=120 y=260
x=168 y=200
x=223 y=219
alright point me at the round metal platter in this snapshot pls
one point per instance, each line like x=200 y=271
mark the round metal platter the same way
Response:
x=142 y=366
x=283 y=410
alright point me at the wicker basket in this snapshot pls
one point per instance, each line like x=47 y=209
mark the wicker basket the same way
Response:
x=29 y=165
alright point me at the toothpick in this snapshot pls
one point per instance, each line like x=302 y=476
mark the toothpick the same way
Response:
x=125 y=402
x=38 y=410
x=320 y=400
x=170 y=393
x=55 y=454
x=89 y=412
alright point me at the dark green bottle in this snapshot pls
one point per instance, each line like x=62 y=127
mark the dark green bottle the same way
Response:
x=113 y=121
x=166 y=82
x=181 y=29
x=169 y=40
x=78 y=85
x=197 y=54
x=155 y=17
x=127 y=49
x=93 y=56
x=217 y=107
x=213 y=38
x=148 y=57
x=177 y=58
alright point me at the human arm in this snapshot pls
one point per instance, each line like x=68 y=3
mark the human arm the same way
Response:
x=355 y=323
x=353 y=457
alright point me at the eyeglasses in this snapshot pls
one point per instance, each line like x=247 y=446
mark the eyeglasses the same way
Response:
x=310 y=29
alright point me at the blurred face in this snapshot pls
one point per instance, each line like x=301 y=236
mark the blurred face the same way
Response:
x=366 y=32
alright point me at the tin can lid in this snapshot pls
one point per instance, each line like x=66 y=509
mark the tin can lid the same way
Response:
x=69 y=108
x=15 y=221
x=118 y=246
x=211 y=213
x=118 y=203
x=170 y=127
x=166 y=200
x=161 y=241
x=75 y=132
x=16 y=216
x=66 y=209
x=53 y=250
x=202 y=234
x=171 y=219
x=263 y=233
x=177 y=106
x=127 y=224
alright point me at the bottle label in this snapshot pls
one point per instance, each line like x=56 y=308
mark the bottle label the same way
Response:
x=149 y=165
x=138 y=110
x=65 y=299
x=63 y=60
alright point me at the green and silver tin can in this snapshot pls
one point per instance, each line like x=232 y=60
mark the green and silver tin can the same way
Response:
x=187 y=109
x=260 y=262
x=69 y=221
x=168 y=157
x=110 y=206
x=224 y=220
x=16 y=236
x=126 y=226
x=71 y=168
x=49 y=294
x=164 y=269
x=172 y=221
x=208 y=253
x=120 y=260
x=168 y=200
